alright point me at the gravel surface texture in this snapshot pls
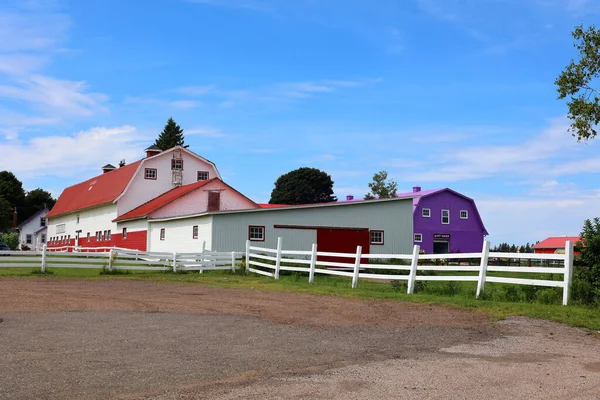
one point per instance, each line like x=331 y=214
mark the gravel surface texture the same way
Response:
x=121 y=339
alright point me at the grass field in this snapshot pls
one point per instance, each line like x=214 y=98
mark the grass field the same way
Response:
x=525 y=299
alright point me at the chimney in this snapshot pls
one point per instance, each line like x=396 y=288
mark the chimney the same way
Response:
x=152 y=151
x=349 y=197
x=416 y=189
x=14 y=224
x=108 y=168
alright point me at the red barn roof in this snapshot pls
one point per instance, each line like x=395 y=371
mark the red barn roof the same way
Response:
x=162 y=200
x=101 y=189
x=556 y=242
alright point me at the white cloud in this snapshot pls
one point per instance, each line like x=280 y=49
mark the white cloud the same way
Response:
x=32 y=31
x=184 y=104
x=205 y=132
x=21 y=64
x=71 y=154
x=54 y=95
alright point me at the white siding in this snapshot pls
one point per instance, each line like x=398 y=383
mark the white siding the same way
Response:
x=91 y=220
x=178 y=235
x=133 y=226
x=30 y=228
x=142 y=190
x=197 y=202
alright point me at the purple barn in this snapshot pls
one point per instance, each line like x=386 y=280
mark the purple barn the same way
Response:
x=445 y=221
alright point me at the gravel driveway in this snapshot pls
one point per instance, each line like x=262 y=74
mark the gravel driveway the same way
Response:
x=93 y=339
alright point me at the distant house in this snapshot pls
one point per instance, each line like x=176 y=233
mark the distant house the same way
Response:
x=32 y=232
x=554 y=245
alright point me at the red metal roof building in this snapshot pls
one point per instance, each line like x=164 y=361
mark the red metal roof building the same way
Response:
x=554 y=245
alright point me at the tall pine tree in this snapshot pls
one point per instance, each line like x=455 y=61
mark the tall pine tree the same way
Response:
x=171 y=136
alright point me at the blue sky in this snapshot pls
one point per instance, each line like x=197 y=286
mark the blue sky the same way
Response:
x=440 y=93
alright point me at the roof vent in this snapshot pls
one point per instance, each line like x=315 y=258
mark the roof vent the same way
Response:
x=108 y=168
x=416 y=189
x=349 y=197
x=153 y=150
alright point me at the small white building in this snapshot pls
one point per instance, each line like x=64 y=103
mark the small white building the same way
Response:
x=33 y=231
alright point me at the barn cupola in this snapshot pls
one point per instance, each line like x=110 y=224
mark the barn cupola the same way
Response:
x=153 y=150
x=108 y=168
x=416 y=189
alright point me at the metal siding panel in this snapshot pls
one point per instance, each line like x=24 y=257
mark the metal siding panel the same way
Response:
x=395 y=218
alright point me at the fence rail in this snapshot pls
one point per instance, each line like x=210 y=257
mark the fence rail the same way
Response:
x=119 y=259
x=311 y=262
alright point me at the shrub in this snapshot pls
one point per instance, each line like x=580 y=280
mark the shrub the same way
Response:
x=588 y=269
x=11 y=239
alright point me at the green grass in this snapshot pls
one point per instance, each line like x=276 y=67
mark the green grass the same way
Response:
x=461 y=295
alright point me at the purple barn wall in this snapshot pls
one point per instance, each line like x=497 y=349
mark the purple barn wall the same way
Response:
x=466 y=235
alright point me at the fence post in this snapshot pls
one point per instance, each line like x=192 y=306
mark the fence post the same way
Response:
x=247 y=256
x=110 y=260
x=485 y=255
x=278 y=258
x=568 y=277
x=356 y=267
x=43 y=258
x=174 y=261
x=313 y=263
x=202 y=260
x=233 y=261
x=412 y=276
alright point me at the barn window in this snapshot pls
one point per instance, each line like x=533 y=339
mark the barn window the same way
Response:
x=426 y=212
x=418 y=237
x=445 y=217
x=78 y=219
x=195 y=232
x=98 y=236
x=202 y=175
x=376 y=237
x=43 y=238
x=177 y=163
x=256 y=233
x=150 y=173
x=124 y=233
x=162 y=234
x=464 y=214
x=28 y=239
x=108 y=234
x=88 y=237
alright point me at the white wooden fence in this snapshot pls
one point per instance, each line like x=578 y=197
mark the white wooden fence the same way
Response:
x=293 y=260
x=119 y=259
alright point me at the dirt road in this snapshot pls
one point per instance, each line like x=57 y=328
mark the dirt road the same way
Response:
x=66 y=338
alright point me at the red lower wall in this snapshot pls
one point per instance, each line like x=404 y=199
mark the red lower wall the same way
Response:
x=134 y=241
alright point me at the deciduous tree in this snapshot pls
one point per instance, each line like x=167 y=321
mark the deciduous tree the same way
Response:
x=575 y=83
x=303 y=186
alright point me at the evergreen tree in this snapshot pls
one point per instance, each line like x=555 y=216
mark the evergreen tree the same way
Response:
x=382 y=187
x=171 y=136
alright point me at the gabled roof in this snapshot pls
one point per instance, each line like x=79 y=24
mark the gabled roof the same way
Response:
x=109 y=166
x=101 y=189
x=154 y=147
x=37 y=214
x=158 y=202
x=556 y=242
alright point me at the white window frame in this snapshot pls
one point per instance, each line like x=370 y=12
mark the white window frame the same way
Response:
x=428 y=213
x=466 y=214
x=151 y=174
x=43 y=238
x=177 y=164
x=163 y=233
x=42 y=221
x=448 y=222
x=202 y=172
x=418 y=237
x=376 y=231
x=124 y=234
x=29 y=239
x=195 y=232
x=253 y=236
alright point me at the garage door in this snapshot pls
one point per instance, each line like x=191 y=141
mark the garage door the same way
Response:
x=342 y=241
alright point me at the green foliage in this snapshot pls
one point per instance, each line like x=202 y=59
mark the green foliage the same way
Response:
x=574 y=82
x=6 y=214
x=114 y=271
x=303 y=186
x=382 y=187
x=588 y=267
x=36 y=200
x=171 y=136
x=11 y=239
